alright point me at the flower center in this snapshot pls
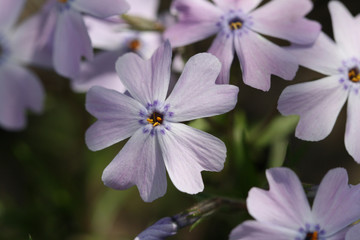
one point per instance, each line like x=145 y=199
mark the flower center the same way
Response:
x=354 y=74
x=155 y=119
x=235 y=23
x=312 y=236
x=134 y=44
x=63 y=1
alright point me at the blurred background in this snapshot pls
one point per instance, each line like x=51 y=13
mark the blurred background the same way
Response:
x=50 y=183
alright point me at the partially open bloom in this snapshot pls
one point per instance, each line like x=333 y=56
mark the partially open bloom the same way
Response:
x=238 y=25
x=319 y=102
x=158 y=141
x=20 y=89
x=283 y=212
x=63 y=35
x=114 y=36
x=160 y=230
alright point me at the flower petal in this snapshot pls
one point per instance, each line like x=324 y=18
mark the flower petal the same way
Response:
x=9 y=13
x=118 y=116
x=139 y=163
x=253 y=230
x=19 y=89
x=106 y=34
x=71 y=43
x=149 y=42
x=182 y=34
x=33 y=40
x=146 y=80
x=353 y=233
x=192 y=26
x=284 y=205
x=352 y=132
x=336 y=204
x=323 y=56
x=187 y=152
x=285 y=19
x=103 y=8
x=245 y=5
x=146 y=9
x=99 y=72
x=223 y=48
x=345 y=29
x=24 y=39
x=259 y=58
x=318 y=103
x=196 y=95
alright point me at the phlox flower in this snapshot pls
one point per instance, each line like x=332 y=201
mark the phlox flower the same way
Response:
x=20 y=89
x=114 y=36
x=162 y=229
x=157 y=140
x=239 y=27
x=319 y=102
x=283 y=212
x=63 y=36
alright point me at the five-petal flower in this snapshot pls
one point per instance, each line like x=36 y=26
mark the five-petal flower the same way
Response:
x=319 y=102
x=237 y=24
x=158 y=141
x=283 y=212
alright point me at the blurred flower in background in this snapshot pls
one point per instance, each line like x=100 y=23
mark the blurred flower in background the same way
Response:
x=20 y=89
x=62 y=32
x=116 y=37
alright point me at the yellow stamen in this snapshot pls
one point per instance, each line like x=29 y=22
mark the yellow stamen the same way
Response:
x=312 y=236
x=353 y=76
x=155 y=119
x=235 y=25
x=134 y=44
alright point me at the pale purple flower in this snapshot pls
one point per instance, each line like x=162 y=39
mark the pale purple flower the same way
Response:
x=20 y=89
x=238 y=26
x=319 y=102
x=63 y=35
x=283 y=212
x=114 y=35
x=158 y=141
x=160 y=230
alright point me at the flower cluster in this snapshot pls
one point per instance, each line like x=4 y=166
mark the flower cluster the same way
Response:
x=133 y=93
